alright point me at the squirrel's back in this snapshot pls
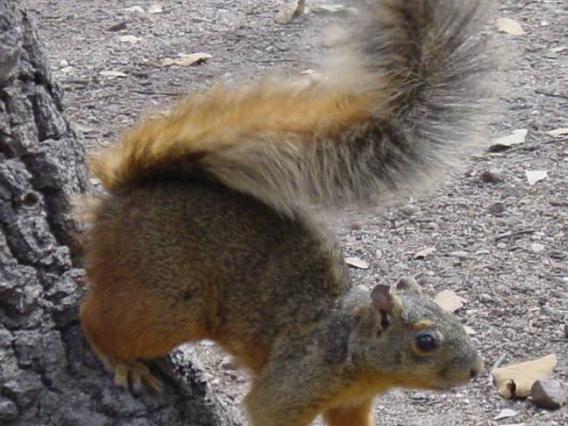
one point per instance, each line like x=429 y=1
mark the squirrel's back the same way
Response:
x=203 y=246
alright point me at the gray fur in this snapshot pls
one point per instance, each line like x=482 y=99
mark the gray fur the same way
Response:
x=428 y=64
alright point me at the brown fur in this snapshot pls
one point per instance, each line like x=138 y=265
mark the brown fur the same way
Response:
x=223 y=118
x=204 y=233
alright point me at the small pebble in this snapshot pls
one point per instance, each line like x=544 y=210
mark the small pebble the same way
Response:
x=537 y=248
x=409 y=210
x=8 y=410
x=491 y=176
x=118 y=27
x=496 y=208
x=227 y=363
x=548 y=393
x=460 y=254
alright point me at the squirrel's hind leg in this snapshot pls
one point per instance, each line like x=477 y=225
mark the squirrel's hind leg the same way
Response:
x=131 y=374
x=124 y=334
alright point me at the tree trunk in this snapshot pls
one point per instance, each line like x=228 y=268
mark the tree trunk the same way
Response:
x=48 y=376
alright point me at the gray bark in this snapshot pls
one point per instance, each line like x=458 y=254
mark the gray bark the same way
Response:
x=48 y=376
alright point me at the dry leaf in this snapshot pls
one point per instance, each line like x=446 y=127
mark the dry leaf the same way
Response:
x=136 y=9
x=515 y=380
x=509 y=26
x=112 y=74
x=155 y=8
x=424 y=253
x=187 y=60
x=517 y=137
x=559 y=49
x=469 y=331
x=534 y=176
x=505 y=413
x=357 y=262
x=129 y=39
x=335 y=9
x=449 y=301
x=556 y=133
x=83 y=128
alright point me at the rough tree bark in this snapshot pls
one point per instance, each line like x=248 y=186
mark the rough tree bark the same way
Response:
x=47 y=374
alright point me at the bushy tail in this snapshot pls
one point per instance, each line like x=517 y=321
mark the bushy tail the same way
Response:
x=403 y=106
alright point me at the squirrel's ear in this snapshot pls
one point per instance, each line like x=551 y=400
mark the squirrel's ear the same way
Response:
x=408 y=285
x=384 y=299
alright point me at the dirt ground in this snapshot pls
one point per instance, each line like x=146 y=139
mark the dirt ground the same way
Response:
x=502 y=246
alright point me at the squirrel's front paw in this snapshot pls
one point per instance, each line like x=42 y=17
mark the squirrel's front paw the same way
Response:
x=135 y=375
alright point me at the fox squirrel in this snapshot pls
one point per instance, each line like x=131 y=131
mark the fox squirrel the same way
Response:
x=205 y=230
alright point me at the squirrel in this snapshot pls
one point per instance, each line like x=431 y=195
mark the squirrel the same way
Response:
x=207 y=228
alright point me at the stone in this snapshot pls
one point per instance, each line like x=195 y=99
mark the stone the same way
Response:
x=548 y=393
x=491 y=176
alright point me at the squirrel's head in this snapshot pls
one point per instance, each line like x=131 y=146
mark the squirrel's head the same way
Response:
x=410 y=342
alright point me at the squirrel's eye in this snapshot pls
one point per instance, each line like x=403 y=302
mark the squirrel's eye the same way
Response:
x=425 y=342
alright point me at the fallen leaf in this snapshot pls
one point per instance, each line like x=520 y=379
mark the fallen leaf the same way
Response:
x=534 y=176
x=449 y=301
x=187 y=60
x=469 y=331
x=503 y=143
x=556 y=133
x=136 y=9
x=334 y=9
x=509 y=26
x=559 y=49
x=156 y=8
x=505 y=413
x=113 y=74
x=424 y=253
x=516 y=380
x=83 y=128
x=357 y=262
x=129 y=39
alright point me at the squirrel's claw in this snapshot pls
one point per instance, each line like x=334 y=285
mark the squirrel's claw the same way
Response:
x=135 y=376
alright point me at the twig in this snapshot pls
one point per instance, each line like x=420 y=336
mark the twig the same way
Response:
x=514 y=234
x=496 y=364
x=553 y=95
x=153 y=92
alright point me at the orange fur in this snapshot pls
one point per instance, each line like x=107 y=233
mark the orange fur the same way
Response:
x=360 y=414
x=222 y=118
